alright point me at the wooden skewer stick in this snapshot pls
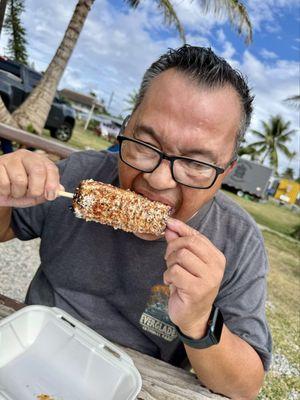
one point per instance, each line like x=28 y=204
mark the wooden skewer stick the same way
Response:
x=66 y=194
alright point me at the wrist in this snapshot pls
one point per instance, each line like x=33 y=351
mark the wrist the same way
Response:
x=212 y=334
x=196 y=330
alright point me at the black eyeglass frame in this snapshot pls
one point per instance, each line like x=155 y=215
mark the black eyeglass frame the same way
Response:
x=163 y=156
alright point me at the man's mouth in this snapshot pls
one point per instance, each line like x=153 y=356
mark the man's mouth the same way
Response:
x=156 y=197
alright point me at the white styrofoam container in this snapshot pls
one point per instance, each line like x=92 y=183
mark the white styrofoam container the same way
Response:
x=45 y=351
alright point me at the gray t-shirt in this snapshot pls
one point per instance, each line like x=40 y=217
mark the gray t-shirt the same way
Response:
x=112 y=280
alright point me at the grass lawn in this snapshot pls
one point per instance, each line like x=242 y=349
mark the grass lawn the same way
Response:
x=84 y=140
x=276 y=217
x=282 y=382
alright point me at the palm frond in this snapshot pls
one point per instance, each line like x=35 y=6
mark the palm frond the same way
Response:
x=285 y=150
x=133 y=3
x=289 y=134
x=236 y=12
x=169 y=13
x=171 y=17
x=294 y=101
x=258 y=134
x=267 y=128
x=256 y=144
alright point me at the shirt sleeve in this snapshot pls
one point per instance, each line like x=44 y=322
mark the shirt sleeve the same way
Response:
x=242 y=296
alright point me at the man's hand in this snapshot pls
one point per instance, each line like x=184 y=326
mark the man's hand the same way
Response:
x=27 y=179
x=195 y=269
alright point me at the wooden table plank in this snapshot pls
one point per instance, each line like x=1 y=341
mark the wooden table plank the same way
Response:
x=161 y=381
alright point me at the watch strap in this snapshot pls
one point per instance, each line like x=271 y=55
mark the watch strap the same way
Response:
x=213 y=333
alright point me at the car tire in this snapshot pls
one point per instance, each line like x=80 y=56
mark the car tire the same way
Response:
x=63 y=132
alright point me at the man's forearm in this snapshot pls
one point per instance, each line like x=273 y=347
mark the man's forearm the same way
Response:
x=6 y=232
x=232 y=367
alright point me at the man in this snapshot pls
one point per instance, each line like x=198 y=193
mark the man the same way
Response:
x=177 y=147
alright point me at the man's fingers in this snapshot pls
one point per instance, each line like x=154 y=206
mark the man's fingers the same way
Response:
x=196 y=244
x=52 y=185
x=180 y=227
x=36 y=177
x=43 y=178
x=18 y=179
x=189 y=262
x=4 y=182
x=27 y=179
x=179 y=277
x=170 y=235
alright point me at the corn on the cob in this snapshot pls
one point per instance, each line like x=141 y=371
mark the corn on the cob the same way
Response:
x=119 y=208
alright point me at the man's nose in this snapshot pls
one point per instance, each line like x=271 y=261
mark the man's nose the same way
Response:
x=161 y=178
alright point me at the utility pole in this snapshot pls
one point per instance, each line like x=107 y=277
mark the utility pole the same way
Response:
x=2 y=12
x=89 y=117
x=110 y=100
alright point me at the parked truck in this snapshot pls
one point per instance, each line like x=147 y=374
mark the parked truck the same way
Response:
x=16 y=83
x=249 y=177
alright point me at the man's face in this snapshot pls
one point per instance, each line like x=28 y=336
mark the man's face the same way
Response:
x=181 y=118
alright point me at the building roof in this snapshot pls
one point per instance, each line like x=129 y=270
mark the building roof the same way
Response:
x=80 y=98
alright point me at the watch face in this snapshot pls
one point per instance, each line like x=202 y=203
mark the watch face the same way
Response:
x=216 y=325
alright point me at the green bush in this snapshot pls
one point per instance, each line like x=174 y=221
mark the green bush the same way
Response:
x=296 y=232
x=93 y=124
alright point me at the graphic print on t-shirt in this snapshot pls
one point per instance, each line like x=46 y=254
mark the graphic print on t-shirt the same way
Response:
x=155 y=318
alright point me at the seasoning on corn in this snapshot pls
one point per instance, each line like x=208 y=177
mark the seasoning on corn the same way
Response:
x=119 y=208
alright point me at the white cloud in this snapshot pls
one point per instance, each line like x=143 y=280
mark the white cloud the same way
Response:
x=271 y=84
x=115 y=47
x=221 y=36
x=268 y=55
x=264 y=14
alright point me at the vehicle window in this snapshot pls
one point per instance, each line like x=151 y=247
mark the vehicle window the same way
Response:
x=10 y=67
x=34 y=78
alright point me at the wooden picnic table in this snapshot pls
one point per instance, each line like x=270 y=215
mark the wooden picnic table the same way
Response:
x=161 y=381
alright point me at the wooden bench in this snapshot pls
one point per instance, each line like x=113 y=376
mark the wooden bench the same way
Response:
x=51 y=146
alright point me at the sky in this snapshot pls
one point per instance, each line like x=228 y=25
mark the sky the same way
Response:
x=118 y=44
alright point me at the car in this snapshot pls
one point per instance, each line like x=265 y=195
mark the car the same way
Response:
x=16 y=83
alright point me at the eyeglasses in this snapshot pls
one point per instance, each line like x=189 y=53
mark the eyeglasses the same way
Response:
x=146 y=158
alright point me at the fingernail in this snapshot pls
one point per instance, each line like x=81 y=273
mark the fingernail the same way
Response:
x=51 y=195
x=171 y=222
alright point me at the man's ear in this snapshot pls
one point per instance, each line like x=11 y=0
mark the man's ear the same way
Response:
x=230 y=168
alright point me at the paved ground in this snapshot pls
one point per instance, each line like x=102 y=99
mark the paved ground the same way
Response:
x=18 y=263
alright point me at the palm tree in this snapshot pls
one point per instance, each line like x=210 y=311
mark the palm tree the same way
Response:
x=131 y=100
x=246 y=149
x=272 y=139
x=288 y=173
x=5 y=115
x=34 y=111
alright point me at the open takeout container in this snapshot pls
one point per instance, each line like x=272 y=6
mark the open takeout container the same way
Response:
x=46 y=352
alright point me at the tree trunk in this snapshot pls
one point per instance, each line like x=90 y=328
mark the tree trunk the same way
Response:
x=5 y=115
x=35 y=109
x=2 y=12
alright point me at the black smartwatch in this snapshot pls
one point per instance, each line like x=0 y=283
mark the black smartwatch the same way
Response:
x=213 y=333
